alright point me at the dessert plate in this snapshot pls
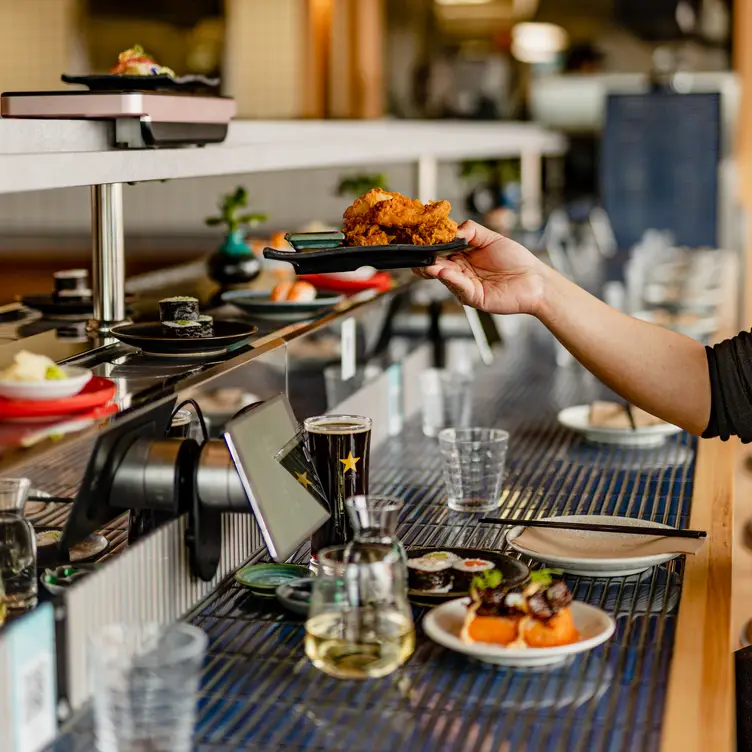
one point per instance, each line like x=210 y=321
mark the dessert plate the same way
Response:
x=578 y=419
x=259 y=304
x=97 y=392
x=117 y=82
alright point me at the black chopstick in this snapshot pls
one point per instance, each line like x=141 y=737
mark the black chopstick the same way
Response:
x=51 y=499
x=630 y=415
x=598 y=528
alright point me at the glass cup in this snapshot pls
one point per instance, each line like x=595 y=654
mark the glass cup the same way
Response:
x=473 y=461
x=374 y=520
x=145 y=681
x=18 y=546
x=360 y=624
x=339 y=447
x=447 y=400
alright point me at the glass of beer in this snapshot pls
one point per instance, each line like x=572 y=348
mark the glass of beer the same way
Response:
x=360 y=625
x=339 y=447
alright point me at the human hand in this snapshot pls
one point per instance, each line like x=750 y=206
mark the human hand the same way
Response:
x=496 y=275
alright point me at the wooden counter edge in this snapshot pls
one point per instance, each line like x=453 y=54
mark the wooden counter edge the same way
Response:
x=700 y=703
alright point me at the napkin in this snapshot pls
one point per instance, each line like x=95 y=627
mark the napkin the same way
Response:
x=584 y=544
x=614 y=415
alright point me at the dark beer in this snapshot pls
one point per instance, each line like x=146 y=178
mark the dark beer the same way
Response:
x=339 y=446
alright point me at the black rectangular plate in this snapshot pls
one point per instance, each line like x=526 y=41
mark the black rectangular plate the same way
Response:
x=348 y=259
x=116 y=82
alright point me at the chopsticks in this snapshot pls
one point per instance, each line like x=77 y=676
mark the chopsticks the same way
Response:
x=598 y=528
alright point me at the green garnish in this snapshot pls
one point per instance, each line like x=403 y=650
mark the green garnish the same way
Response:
x=544 y=577
x=487 y=580
x=54 y=373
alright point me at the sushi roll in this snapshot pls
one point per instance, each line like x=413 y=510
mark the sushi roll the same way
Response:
x=72 y=284
x=178 y=309
x=429 y=575
x=182 y=329
x=465 y=569
x=443 y=556
x=207 y=326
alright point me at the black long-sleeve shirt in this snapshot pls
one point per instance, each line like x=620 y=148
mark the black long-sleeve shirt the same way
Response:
x=730 y=366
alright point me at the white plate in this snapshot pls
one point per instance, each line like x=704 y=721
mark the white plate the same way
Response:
x=578 y=419
x=52 y=389
x=443 y=624
x=602 y=567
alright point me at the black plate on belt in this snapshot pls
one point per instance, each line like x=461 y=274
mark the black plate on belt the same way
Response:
x=115 y=82
x=348 y=259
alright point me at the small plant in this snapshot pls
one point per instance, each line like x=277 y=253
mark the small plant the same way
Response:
x=230 y=207
x=357 y=185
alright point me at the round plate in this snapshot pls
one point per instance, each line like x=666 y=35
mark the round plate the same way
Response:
x=295 y=595
x=55 y=308
x=578 y=419
x=601 y=566
x=149 y=338
x=47 y=390
x=260 y=305
x=264 y=579
x=514 y=571
x=443 y=625
x=81 y=570
x=97 y=392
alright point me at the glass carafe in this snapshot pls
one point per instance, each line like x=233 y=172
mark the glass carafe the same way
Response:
x=374 y=521
x=18 y=548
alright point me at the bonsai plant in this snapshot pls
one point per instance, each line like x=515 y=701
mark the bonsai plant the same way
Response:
x=234 y=262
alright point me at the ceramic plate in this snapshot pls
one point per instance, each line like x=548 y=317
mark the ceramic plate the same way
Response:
x=443 y=625
x=150 y=339
x=514 y=571
x=598 y=567
x=295 y=595
x=97 y=392
x=264 y=579
x=47 y=389
x=578 y=419
x=260 y=305
x=117 y=82
x=349 y=258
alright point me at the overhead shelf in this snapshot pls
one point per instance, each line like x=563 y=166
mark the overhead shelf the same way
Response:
x=46 y=154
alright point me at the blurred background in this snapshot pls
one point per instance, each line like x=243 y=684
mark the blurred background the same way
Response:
x=551 y=61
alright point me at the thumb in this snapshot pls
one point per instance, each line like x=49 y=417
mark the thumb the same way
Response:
x=477 y=235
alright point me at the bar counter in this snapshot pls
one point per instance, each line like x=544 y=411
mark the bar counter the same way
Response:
x=663 y=681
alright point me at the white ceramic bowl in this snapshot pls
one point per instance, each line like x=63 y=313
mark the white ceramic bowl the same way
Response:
x=444 y=623
x=53 y=389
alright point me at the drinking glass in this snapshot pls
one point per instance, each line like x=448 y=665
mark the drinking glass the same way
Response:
x=339 y=447
x=359 y=625
x=473 y=461
x=447 y=399
x=374 y=520
x=18 y=546
x=145 y=680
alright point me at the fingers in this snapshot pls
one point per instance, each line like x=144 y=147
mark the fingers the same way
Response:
x=456 y=282
x=477 y=235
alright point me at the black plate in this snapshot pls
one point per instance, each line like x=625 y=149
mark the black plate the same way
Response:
x=258 y=304
x=348 y=259
x=116 y=82
x=53 y=307
x=514 y=571
x=150 y=339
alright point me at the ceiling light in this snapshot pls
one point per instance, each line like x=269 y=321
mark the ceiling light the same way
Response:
x=538 y=42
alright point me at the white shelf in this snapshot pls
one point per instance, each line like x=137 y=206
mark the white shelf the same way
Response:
x=45 y=154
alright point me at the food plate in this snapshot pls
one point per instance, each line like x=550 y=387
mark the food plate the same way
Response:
x=117 y=82
x=52 y=307
x=47 y=390
x=444 y=623
x=47 y=546
x=514 y=571
x=61 y=578
x=595 y=565
x=349 y=258
x=150 y=340
x=264 y=579
x=578 y=419
x=295 y=595
x=260 y=305
x=381 y=281
x=97 y=392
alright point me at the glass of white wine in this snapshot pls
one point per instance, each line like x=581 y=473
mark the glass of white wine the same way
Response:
x=360 y=624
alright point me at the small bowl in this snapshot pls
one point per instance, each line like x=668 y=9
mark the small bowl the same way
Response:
x=47 y=390
x=295 y=595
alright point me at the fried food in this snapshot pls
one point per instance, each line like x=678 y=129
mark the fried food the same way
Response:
x=382 y=217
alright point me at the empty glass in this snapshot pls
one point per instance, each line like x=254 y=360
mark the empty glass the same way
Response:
x=360 y=624
x=447 y=400
x=144 y=679
x=18 y=546
x=473 y=461
x=374 y=520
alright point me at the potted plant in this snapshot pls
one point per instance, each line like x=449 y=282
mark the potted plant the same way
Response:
x=357 y=185
x=234 y=262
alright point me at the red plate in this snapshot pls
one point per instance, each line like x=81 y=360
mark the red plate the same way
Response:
x=96 y=393
x=381 y=281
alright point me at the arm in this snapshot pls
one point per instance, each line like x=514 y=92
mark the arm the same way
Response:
x=660 y=371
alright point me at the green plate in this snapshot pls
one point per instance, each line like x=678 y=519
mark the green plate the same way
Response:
x=264 y=579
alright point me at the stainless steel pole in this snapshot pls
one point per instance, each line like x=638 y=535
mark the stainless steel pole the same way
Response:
x=108 y=255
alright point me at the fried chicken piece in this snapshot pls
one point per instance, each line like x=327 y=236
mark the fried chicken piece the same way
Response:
x=443 y=232
x=363 y=234
x=363 y=205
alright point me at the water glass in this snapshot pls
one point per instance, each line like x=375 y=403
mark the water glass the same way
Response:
x=374 y=520
x=447 y=400
x=473 y=461
x=145 y=681
x=18 y=547
x=360 y=624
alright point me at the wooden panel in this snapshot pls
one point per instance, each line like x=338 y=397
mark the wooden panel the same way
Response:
x=743 y=65
x=318 y=40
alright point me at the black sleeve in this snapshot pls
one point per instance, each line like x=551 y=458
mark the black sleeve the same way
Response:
x=730 y=367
